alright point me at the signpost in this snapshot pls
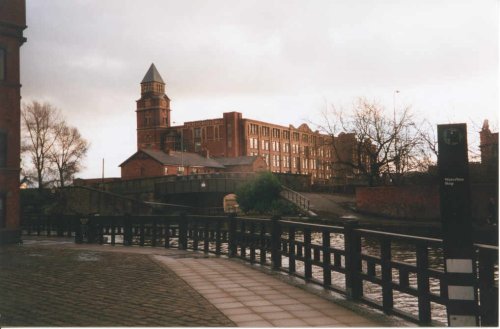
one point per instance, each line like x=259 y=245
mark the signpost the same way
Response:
x=454 y=190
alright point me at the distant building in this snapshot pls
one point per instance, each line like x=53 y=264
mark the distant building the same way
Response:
x=284 y=149
x=243 y=164
x=488 y=145
x=151 y=163
x=154 y=163
x=12 y=25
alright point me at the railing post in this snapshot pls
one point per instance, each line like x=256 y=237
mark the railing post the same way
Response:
x=154 y=233
x=291 y=249
x=233 y=241
x=70 y=222
x=206 y=236
x=487 y=290
x=276 y=243
x=142 y=233
x=113 y=230
x=387 y=295
x=263 y=243
x=38 y=221
x=166 y=224
x=424 y=302
x=352 y=247
x=307 y=254
x=127 y=230
x=59 y=225
x=183 y=227
x=327 y=274
x=218 y=237
x=99 y=230
x=48 y=225
x=78 y=230
x=91 y=229
x=195 y=233
x=243 y=240
x=252 y=242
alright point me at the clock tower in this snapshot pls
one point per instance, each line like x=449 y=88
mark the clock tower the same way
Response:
x=153 y=111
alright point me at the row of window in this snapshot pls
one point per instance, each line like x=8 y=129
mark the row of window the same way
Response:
x=148 y=119
x=254 y=129
x=152 y=87
x=207 y=133
x=285 y=147
x=294 y=162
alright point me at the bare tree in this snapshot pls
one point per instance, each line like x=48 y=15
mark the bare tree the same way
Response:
x=380 y=145
x=67 y=153
x=55 y=149
x=40 y=123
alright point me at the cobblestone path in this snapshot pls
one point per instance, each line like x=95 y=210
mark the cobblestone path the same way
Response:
x=67 y=287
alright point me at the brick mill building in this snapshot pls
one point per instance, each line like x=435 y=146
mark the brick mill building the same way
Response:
x=488 y=145
x=284 y=149
x=12 y=24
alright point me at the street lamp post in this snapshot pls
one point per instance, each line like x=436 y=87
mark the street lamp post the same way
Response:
x=394 y=104
x=396 y=151
x=182 y=148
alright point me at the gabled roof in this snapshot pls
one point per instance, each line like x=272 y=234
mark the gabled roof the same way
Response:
x=305 y=127
x=178 y=159
x=152 y=75
x=238 y=161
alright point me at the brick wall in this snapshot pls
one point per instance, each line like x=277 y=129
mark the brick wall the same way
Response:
x=406 y=202
x=410 y=202
x=136 y=168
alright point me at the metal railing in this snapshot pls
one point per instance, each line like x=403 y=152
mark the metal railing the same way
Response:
x=298 y=199
x=361 y=264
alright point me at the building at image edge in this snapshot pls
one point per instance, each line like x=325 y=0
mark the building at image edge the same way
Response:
x=12 y=25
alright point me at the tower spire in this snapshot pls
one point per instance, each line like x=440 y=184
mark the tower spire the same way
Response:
x=152 y=75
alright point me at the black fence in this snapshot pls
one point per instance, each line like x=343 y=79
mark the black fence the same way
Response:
x=398 y=274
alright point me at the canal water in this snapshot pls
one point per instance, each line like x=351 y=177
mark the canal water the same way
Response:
x=401 y=252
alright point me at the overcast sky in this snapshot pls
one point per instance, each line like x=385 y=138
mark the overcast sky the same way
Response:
x=276 y=61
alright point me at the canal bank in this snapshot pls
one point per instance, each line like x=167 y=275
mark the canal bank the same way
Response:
x=336 y=209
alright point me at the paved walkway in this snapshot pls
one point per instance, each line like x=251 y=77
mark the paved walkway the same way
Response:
x=54 y=282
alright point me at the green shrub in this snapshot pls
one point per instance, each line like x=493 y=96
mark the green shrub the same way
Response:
x=259 y=194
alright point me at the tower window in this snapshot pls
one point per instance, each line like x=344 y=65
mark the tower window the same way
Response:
x=147 y=119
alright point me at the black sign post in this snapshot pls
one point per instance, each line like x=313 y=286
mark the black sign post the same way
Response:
x=456 y=220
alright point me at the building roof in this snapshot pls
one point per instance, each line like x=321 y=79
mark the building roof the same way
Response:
x=178 y=159
x=152 y=75
x=237 y=161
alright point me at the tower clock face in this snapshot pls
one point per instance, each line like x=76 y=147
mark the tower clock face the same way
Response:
x=453 y=136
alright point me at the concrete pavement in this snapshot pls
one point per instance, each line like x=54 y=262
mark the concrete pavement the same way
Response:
x=54 y=282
